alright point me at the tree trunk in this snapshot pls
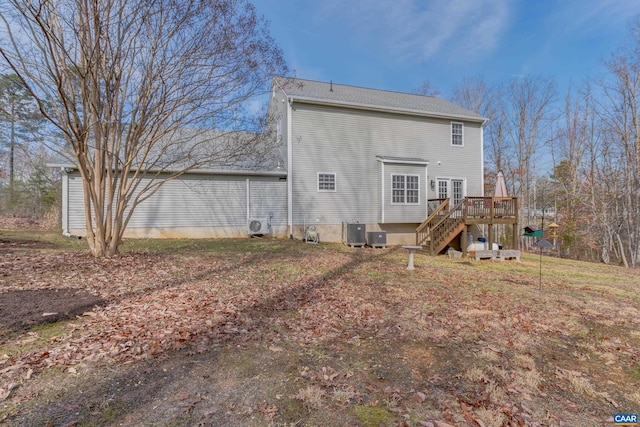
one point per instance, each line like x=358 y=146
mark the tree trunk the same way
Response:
x=623 y=255
x=12 y=154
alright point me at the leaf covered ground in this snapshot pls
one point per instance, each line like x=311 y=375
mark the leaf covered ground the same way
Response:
x=274 y=332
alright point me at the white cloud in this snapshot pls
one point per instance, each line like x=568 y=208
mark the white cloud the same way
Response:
x=416 y=30
x=593 y=16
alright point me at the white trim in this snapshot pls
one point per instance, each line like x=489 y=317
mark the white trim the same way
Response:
x=402 y=162
x=335 y=182
x=461 y=136
x=405 y=175
x=426 y=188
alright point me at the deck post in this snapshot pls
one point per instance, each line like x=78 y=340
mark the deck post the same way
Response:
x=463 y=241
x=490 y=239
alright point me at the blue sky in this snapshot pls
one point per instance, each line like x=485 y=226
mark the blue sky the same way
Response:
x=397 y=44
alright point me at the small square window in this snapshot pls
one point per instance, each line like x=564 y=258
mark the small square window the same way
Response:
x=326 y=181
x=457 y=134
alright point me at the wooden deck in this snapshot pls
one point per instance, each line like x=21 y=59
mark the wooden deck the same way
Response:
x=446 y=223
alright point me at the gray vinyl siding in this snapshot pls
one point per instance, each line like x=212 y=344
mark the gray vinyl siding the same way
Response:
x=198 y=201
x=458 y=162
x=277 y=112
x=75 y=202
x=347 y=141
x=268 y=198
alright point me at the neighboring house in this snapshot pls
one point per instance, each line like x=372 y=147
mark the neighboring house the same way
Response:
x=346 y=154
x=372 y=156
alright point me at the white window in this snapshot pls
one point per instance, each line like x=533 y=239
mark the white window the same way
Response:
x=453 y=188
x=405 y=189
x=326 y=181
x=457 y=130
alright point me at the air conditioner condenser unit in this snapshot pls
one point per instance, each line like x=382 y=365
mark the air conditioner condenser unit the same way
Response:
x=258 y=226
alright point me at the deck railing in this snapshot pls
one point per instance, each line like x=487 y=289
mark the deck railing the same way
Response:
x=490 y=209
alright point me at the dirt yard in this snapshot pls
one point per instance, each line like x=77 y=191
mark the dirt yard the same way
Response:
x=279 y=333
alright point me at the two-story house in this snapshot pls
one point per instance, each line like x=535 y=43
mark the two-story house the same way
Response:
x=345 y=155
x=372 y=156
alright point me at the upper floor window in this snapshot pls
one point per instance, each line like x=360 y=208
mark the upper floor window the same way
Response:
x=405 y=189
x=457 y=134
x=326 y=181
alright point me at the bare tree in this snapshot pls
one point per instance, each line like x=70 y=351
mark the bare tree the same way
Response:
x=530 y=113
x=135 y=88
x=477 y=95
x=574 y=138
x=427 y=88
x=620 y=119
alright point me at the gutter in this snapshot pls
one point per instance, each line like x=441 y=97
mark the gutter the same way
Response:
x=68 y=167
x=359 y=106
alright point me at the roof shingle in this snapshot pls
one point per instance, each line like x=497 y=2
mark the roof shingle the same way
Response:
x=359 y=97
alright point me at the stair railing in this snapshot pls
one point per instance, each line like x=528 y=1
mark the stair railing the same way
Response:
x=423 y=232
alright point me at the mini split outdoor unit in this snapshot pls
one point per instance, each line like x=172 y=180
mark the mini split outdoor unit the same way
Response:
x=258 y=226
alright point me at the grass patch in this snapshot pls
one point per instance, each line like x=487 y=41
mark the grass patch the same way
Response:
x=634 y=371
x=46 y=240
x=373 y=416
x=45 y=334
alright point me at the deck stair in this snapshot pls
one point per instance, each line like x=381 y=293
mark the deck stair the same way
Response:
x=441 y=227
x=446 y=223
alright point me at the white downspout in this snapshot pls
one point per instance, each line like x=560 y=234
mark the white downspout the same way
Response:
x=383 y=199
x=289 y=169
x=482 y=157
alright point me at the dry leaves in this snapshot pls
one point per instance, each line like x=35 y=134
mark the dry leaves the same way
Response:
x=458 y=339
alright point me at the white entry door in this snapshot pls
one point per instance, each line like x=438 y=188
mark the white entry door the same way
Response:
x=451 y=188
